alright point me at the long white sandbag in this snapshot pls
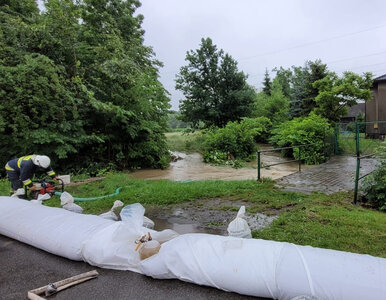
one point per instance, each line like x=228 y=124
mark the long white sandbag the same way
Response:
x=268 y=269
x=52 y=229
x=93 y=239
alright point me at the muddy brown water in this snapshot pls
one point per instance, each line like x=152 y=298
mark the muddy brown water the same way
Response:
x=192 y=167
x=204 y=216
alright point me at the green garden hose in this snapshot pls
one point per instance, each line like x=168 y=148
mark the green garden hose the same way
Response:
x=94 y=198
x=105 y=196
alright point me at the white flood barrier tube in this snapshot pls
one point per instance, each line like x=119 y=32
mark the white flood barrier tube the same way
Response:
x=93 y=239
x=246 y=266
x=52 y=229
x=269 y=269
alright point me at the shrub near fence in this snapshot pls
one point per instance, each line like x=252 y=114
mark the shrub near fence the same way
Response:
x=237 y=140
x=313 y=130
x=375 y=185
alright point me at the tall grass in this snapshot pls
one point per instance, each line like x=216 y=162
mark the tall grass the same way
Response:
x=185 y=142
x=347 y=144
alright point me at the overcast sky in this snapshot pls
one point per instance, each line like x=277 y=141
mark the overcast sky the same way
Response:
x=345 y=34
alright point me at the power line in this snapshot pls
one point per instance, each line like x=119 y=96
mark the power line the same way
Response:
x=363 y=66
x=315 y=42
x=349 y=68
x=355 y=57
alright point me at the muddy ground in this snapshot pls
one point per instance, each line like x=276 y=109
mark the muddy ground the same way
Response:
x=204 y=216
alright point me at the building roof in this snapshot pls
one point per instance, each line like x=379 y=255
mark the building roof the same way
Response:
x=354 y=111
x=380 y=78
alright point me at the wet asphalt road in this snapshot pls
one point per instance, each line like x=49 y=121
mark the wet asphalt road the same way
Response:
x=23 y=268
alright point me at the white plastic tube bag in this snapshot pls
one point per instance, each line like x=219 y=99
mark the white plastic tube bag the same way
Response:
x=268 y=269
x=136 y=211
x=112 y=213
x=114 y=246
x=52 y=229
x=239 y=226
x=67 y=202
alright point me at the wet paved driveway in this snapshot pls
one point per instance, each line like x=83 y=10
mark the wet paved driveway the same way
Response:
x=333 y=176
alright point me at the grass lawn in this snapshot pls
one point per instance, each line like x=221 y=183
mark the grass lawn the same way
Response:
x=347 y=144
x=317 y=219
x=185 y=142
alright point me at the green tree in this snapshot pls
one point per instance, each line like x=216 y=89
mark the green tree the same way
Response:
x=298 y=92
x=298 y=86
x=86 y=91
x=40 y=110
x=285 y=77
x=267 y=83
x=337 y=94
x=215 y=91
x=274 y=107
x=313 y=71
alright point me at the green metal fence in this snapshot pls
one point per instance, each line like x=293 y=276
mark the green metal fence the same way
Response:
x=352 y=139
x=327 y=150
x=299 y=160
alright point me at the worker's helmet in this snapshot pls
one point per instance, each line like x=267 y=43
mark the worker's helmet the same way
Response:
x=42 y=161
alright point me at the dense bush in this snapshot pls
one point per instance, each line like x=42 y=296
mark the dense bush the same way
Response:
x=375 y=184
x=85 y=93
x=236 y=140
x=313 y=130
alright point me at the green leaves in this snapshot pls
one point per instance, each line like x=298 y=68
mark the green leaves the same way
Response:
x=215 y=91
x=274 y=106
x=375 y=185
x=237 y=140
x=336 y=94
x=78 y=84
x=302 y=131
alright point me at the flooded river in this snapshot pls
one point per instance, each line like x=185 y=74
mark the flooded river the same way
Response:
x=203 y=215
x=192 y=167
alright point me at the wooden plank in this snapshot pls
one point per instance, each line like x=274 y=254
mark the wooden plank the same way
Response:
x=61 y=285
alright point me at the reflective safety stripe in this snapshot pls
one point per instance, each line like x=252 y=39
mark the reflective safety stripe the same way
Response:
x=28 y=157
x=50 y=173
x=8 y=168
x=27 y=182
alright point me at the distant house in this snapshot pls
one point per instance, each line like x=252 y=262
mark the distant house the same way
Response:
x=353 y=112
x=376 y=109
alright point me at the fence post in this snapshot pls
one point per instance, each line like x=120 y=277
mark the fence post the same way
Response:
x=300 y=159
x=357 y=138
x=336 y=136
x=258 y=165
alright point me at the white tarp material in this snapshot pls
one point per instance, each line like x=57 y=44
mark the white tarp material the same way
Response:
x=268 y=269
x=98 y=241
x=52 y=229
x=246 y=266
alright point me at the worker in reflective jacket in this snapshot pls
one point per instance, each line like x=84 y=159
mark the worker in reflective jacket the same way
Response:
x=21 y=170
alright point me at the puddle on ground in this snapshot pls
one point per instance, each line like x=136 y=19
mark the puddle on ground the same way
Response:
x=204 y=216
x=192 y=167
